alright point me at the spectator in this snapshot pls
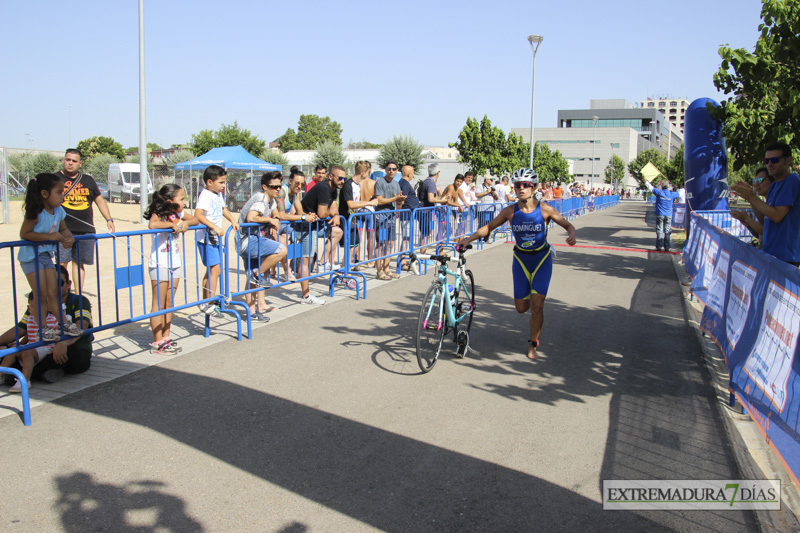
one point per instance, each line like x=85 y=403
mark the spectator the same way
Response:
x=558 y=192
x=411 y=203
x=465 y=194
x=80 y=192
x=71 y=356
x=321 y=202
x=664 y=200
x=350 y=202
x=258 y=252
x=486 y=195
x=503 y=190
x=428 y=196
x=387 y=191
x=781 y=210
x=291 y=193
x=209 y=211
x=319 y=176
x=761 y=184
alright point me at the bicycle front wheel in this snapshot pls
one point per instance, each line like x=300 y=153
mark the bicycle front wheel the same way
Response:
x=430 y=328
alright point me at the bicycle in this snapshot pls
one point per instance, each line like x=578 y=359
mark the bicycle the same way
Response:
x=445 y=308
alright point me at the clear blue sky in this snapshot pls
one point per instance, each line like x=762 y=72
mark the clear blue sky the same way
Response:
x=379 y=69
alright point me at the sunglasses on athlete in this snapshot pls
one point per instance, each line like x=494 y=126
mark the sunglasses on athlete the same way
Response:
x=523 y=185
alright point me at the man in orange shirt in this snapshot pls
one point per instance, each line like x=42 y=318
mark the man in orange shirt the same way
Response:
x=558 y=192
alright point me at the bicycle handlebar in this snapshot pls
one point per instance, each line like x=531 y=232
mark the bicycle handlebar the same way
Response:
x=441 y=259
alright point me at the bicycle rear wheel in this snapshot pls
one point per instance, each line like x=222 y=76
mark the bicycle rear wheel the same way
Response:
x=430 y=328
x=465 y=305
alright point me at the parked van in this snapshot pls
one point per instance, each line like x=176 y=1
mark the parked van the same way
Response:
x=123 y=182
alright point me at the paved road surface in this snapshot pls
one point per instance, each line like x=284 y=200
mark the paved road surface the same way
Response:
x=324 y=423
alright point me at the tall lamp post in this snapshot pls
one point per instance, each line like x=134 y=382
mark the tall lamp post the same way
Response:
x=535 y=41
x=594 y=130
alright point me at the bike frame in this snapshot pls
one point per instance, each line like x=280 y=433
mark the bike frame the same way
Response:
x=449 y=308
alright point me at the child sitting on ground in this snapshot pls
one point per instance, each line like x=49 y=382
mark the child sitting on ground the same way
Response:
x=30 y=358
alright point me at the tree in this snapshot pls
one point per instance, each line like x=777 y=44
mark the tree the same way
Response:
x=516 y=154
x=482 y=146
x=403 y=151
x=98 y=166
x=615 y=171
x=674 y=171
x=29 y=165
x=276 y=158
x=100 y=145
x=765 y=84
x=311 y=131
x=153 y=146
x=178 y=156
x=363 y=145
x=549 y=165
x=226 y=135
x=651 y=155
x=329 y=153
x=135 y=159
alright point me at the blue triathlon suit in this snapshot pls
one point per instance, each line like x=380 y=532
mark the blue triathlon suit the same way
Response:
x=533 y=260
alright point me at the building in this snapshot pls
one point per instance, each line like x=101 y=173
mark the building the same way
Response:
x=588 y=137
x=672 y=108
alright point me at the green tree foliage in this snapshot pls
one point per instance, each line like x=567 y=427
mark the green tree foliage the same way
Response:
x=651 y=155
x=615 y=170
x=549 y=165
x=403 y=151
x=276 y=158
x=100 y=145
x=28 y=164
x=516 y=154
x=135 y=159
x=363 y=145
x=674 y=171
x=178 y=156
x=226 y=135
x=97 y=166
x=329 y=153
x=764 y=84
x=153 y=146
x=311 y=131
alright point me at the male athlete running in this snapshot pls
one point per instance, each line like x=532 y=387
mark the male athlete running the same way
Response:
x=533 y=260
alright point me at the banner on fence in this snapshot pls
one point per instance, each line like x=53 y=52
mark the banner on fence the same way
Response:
x=752 y=311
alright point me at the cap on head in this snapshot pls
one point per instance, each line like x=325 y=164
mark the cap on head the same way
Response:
x=433 y=169
x=525 y=174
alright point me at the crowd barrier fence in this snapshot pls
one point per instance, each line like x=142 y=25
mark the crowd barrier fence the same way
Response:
x=366 y=237
x=752 y=311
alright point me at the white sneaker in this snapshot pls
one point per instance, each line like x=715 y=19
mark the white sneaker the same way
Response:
x=327 y=267
x=312 y=300
x=16 y=388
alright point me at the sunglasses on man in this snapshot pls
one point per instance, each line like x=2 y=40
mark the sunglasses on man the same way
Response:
x=391 y=169
x=773 y=159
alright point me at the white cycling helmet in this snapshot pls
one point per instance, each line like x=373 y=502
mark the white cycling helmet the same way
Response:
x=525 y=174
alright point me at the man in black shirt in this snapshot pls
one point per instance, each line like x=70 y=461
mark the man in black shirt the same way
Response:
x=321 y=200
x=80 y=192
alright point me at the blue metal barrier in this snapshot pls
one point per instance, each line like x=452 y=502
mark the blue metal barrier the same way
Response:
x=725 y=222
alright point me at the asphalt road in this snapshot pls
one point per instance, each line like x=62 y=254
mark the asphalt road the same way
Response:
x=324 y=423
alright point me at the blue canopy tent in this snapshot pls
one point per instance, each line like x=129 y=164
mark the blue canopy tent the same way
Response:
x=229 y=158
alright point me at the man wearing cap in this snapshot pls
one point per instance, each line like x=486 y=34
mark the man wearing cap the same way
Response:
x=428 y=196
x=389 y=196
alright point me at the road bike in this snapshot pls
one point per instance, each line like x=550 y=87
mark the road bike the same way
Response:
x=446 y=307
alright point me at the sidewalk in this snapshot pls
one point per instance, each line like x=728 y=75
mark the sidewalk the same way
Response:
x=323 y=422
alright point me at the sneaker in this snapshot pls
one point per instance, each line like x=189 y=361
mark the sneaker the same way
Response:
x=72 y=330
x=52 y=375
x=351 y=284
x=162 y=348
x=17 y=387
x=313 y=300
x=211 y=310
x=173 y=344
x=254 y=278
x=50 y=334
x=327 y=267
x=259 y=317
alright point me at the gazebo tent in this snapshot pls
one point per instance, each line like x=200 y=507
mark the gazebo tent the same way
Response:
x=228 y=157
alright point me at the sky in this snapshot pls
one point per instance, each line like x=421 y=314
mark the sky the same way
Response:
x=412 y=68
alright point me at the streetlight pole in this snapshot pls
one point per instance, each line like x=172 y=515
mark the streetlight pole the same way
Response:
x=594 y=130
x=69 y=127
x=613 y=169
x=535 y=41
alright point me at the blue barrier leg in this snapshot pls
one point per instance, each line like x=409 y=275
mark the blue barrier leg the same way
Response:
x=26 y=404
x=239 y=318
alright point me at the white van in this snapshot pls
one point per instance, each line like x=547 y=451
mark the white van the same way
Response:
x=123 y=182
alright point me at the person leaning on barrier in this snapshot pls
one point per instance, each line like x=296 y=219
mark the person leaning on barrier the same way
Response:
x=761 y=184
x=389 y=196
x=428 y=196
x=350 y=202
x=411 y=203
x=71 y=356
x=664 y=200
x=486 y=194
x=781 y=210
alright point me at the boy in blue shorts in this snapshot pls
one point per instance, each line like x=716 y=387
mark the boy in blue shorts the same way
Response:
x=209 y=211
x=533 y=259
